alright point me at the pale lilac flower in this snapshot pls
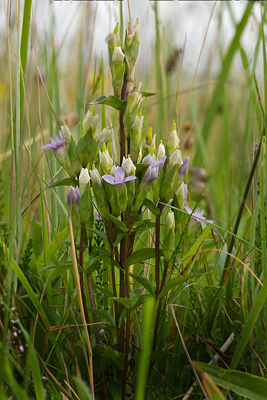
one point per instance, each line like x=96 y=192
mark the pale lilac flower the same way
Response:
x=156 y=164
x=151 y=173
x=56 y=143
x=118 y=178
x=185 y=191
x=184 y=167
x=198 y=215
x=73 y=196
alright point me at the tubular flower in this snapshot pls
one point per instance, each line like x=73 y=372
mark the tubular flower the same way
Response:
x=198 y=215
x=156 y=164
x=73 y=196
x=118 y=178
x=56 y=144
x=151 y=173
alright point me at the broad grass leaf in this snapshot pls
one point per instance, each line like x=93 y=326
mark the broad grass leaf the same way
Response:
x=140 y=256
x=242 y=383
x=212 y=390
x=83 y=390
x=173 y=283
x=104 y=314
x=64 y=182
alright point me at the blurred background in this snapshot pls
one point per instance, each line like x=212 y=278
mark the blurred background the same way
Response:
x=67 y=48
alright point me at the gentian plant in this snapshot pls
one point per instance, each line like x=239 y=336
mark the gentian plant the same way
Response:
x=117 y=200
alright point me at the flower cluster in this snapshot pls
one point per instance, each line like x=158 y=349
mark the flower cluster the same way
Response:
x=118 y=185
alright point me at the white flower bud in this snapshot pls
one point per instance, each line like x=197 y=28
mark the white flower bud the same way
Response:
x=175 y=159
x=173 y=142
x=128 y=166
x=84 y=178
x=90 y=121
x=118 y=56
x=139 y=158
x=169 y=223
x=113 y=169
x=106 y=161
x=161 y=151
x=96 y=178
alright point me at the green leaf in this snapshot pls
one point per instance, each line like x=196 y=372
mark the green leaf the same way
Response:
x=84 y=391
x=126 y=302
x=148 y=94
x=213 y=391
x=116 y=221
x=244 y=58
x=242 y=383
x=112 y=101
x=103 y=290
x=119 y=238
x=141 y=255
x=144 y=282
x=115 y=358
x=151 y=206
x=64 y=182
x=174 y=283
x=87 y=149
x=104 y=314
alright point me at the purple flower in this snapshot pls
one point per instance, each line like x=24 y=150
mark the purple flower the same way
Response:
x=156 y=164
x=73 y=196
x=198 y=215
x=118 y=178
x=151 y=173
x=56 y=143
x=184 y=167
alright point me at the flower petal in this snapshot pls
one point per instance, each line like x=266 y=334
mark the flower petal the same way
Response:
x=119 y=175
x=109 y=179
x=130 y=178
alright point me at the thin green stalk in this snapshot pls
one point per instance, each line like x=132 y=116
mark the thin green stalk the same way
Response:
x=159 y=78
x=82 y=237
x=17 y=136
x=127 y=338
x=143 y=366
x=80 y=301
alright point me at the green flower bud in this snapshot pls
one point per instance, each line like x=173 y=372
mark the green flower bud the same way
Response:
x=134 y=100
x=140 y=155
x=122 y=197
x=132 y=41
x=99 y=192
x=73 y=157
x=106 y=161
x=174 y=141
x=117 y=70
x=104 y=136
x=169 y=237
x=135 y=137
x=161 y=151
x=168 y=186
x=113 y=40
x=67 y=135
x=86 y=208
x=90 y=121
x=149 y=136
x=84 y=179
